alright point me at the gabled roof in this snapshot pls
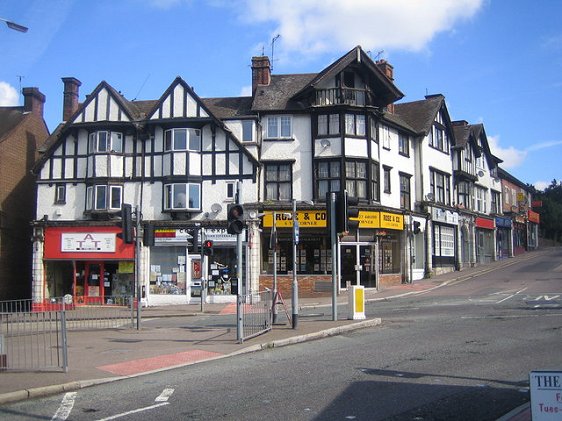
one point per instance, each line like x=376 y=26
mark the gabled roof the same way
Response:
x=420 y=114
x=386 y=90
x=229 y=108
x=479 y=133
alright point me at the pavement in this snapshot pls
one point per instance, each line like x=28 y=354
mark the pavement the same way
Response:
x=163 y=342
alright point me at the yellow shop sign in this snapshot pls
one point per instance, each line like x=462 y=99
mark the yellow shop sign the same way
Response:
x=307 y=219
x=372 y=219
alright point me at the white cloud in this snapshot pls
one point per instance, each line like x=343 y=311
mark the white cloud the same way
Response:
x=246 y=90
x=8 y=95
x=541 y=185
x=511 y=156
x=319 y=26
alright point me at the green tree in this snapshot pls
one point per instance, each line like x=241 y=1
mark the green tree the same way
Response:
x=551 y=210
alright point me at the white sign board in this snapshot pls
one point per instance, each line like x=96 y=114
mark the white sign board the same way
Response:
x=88 y=242
x=546 y=395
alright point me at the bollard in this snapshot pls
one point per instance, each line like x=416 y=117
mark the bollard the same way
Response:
x=356 y=302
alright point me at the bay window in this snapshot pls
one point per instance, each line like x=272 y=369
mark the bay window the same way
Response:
x=182 y=140
x=356 y=179
x=328 y=178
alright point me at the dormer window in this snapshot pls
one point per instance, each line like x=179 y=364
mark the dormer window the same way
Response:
x=105 y=141
x=182 y=140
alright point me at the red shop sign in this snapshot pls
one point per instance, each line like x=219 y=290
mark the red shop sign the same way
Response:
x=485 y=223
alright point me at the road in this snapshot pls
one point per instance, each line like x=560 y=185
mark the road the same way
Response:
x=459 y=352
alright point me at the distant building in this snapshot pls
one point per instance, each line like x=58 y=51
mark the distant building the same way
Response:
x=22 y=131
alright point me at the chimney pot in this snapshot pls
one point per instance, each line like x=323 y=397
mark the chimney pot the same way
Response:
x=34 y=101
x=386 y=68
x=71 y=95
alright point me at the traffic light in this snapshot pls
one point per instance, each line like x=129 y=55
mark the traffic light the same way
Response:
x=126 y=224
x=416 y=228
x=235 y=218
x=148 y=235
x=344 y=213
x=207 y=248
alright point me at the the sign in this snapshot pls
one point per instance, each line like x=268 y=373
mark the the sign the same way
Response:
x=546 y=395
x=536 y=203
x=534 y=217
x=88 y=242
x=173 y=235
x=446 y=216
x=126 y=267
x=306 y=219
x=521 y=197
x=484 y=223
x=373 y=219
x=393 y=221
x=503 y=222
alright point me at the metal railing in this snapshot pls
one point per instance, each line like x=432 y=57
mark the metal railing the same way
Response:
x=33 y=341
x=255 y=313
x=33 y=335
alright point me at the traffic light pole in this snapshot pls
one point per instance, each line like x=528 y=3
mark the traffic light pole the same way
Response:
x=239 y=321
x=204 y=271
x=138 y=264
x=334 y=243
x=295 y=289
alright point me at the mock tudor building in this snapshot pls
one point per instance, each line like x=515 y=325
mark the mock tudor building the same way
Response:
x=22 y=131
x=181 y=160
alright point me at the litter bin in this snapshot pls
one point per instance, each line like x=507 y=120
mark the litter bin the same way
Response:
x=356 y=302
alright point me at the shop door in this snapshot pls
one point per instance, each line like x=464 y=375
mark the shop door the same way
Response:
x=94 y=280
x=357 y=264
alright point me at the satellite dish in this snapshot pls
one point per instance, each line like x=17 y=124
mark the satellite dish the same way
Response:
x=216 y=208
x=325 y=143
x=430 y=197
x=480 y=173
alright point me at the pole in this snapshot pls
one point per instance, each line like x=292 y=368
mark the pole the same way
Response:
x=295 y=289
x=239 y=314
x=334 y=243
x=137 y=264
x=274 y=242
x=203 y=270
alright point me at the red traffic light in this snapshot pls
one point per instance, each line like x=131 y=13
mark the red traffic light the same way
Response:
x=208 y=247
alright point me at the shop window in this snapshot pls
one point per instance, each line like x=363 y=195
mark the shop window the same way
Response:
x=389 y=257
x=102 y=197
x=168 y=274
x=314 y=253
x=182 y=196
x=443 y=241
x=106 y=141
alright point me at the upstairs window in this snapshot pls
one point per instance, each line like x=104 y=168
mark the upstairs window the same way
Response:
x=278 y=181
x=247 y=131
x=182 y=140
x=356 y=179
x=480 y=204
x=375 y=184
x=102 y=197
x=355 y=124
x=106 y=141
x=279 y=127
x=328 y=124
x=403 y=144
x=440 y=187
x=328 y=177
x=386 y=178
x=438 y=138
x=182 y=196
x=405 y=199
x=60 y=194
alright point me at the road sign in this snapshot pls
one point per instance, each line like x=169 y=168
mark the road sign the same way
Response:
x=546 y=395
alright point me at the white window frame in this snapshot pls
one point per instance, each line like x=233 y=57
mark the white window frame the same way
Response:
x=192 y=140
x=113 y=141
x=279 y=127
x=247 y=131
x=192 y=194
x=102 y=197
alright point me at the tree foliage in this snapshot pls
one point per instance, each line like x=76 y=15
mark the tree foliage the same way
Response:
x=551 y=210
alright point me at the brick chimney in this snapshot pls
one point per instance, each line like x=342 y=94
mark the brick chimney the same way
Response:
x=388 y=71
x=261 y=72
x=34 y=101
x=70 y=100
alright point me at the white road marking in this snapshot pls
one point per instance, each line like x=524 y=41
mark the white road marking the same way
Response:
x=134 y=411
x=162 y=398
x=65 y=407
x=165 y=395
x=511 y=296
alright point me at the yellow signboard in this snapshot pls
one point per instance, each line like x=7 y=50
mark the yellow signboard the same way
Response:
x=307 y=219
x=393 y=221
x=370 y=219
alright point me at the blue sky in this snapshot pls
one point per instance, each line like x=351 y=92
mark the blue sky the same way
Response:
x=497 y=62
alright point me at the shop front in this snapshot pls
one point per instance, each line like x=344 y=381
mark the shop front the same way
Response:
x=485 y=244
x=534 y=220
x=519 y=234
x=443 y=235
x=89 y=263
x=177 y=271
x=504 y=245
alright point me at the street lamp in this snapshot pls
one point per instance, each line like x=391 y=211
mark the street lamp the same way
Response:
x=14 y=26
